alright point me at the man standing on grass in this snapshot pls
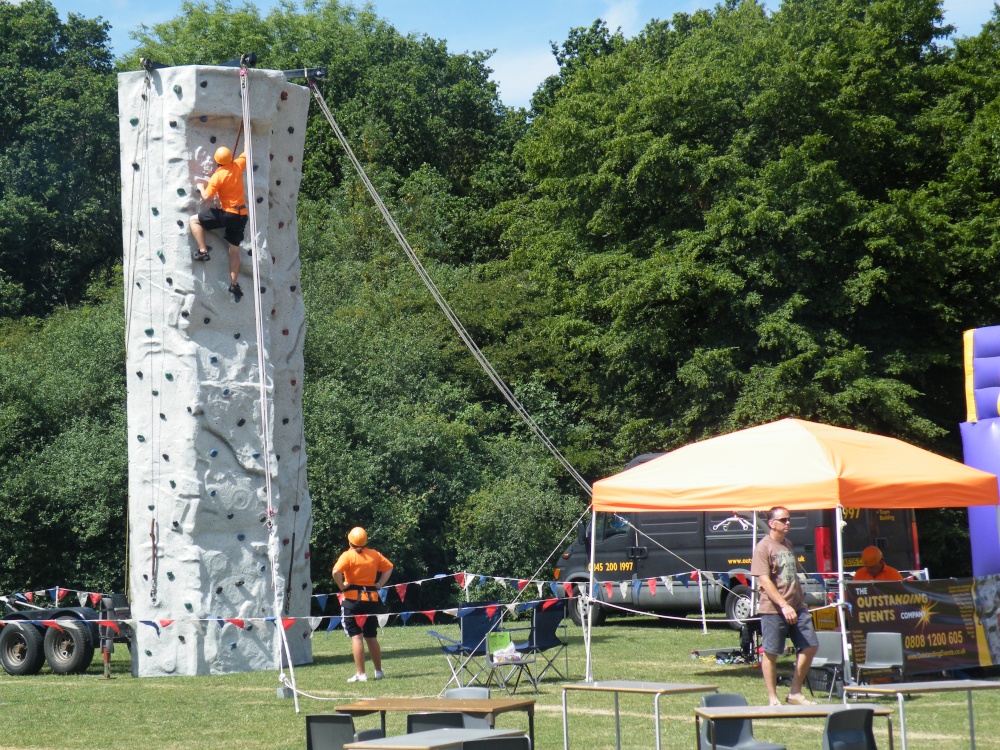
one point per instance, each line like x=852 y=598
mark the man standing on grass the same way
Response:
x=783 y=610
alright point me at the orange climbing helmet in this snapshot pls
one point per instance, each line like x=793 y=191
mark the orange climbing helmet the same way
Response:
x=223 y=156
x=358 y=537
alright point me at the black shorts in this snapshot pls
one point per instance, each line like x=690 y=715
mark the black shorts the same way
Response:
x=216 y=218
x=370 y=628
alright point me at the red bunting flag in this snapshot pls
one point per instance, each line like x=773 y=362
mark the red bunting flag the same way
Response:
x=30 y=596
x=359 y=620
x=742 y=579
x=460 y=580
x=52 y=624
x=521 y=584
x=237 y=622
x=609 y=589
x=568 y=588
x=166 y=623
x=287 y=622
x=549 y=603
x=340 y=598
x=94 y=599
x=652 y=586
x=430 y=614
x=60 y=593
x=110 y=624
x=694 y=575
x=401 y=590
x=491 y=610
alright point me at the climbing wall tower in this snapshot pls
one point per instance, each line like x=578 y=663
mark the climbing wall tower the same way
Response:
x=215 y=575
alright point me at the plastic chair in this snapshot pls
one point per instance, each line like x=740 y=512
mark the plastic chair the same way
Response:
x=434 y=720
x=883 y=651
x=475 y=693
x=368 y=734
x=329 y=731
x=849 y=729
x=504 y=666
x=545 y=623
x=498 y=743
x=731 y=734
x=466 y=657
x=829 y=658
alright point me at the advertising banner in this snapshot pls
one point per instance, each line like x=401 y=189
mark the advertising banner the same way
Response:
x=946 y=624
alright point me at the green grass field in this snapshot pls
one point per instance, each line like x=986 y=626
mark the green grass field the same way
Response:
x=242 y=711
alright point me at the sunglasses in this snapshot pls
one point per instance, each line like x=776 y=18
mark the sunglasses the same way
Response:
x=782 y=520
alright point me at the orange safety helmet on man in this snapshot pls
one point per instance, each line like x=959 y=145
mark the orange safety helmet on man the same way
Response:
x=358 y=537
x=223 y=156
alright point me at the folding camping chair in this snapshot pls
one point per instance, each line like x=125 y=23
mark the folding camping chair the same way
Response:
x=545 y=623
x=504 y=663
x=467 y=657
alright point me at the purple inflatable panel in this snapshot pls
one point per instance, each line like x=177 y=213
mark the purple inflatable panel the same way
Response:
x=981 y=446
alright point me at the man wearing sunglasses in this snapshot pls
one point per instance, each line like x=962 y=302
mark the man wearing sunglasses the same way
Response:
x=783 y=609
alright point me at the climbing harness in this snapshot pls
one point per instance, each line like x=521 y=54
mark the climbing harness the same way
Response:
x=463 y=334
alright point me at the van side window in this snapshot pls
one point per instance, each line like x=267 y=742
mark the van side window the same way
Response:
x=612 y=525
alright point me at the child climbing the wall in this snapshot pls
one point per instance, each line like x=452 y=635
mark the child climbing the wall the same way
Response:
x=226 y=183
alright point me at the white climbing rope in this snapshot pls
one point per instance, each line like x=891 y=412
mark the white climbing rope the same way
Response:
x=273 y=546
x=463 y=334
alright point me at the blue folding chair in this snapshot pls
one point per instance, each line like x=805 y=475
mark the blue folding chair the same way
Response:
x=543 y=637
x=467 y=658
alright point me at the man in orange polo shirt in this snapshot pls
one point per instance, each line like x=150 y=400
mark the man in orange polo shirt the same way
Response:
x=360 y=572
x=226 y=183
x=875 y=568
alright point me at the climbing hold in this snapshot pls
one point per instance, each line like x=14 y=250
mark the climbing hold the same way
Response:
x=188 y=607
x=293 y=287
x=284 y=95
x=240 y=583
x=149 y=331
x=281 y=225
x=277 y=457
x=241 y=422
x=180 y=223
x=256 y=454
x=241 y=537
x=151 y=507
x=176 y=524
x=173 y=484
x=212 y=494
x=250 y=253
x=225 y=391
x=290 y=158
x=232 y=646
x=146 y=651
x=173 y=123
x=284 y=542
x=141 y=438
x=236 y=335
x=284 y=331
x=156 y=393
x=260 y=199
x=166 y=457
x=295 y=508
x=284 y=421
x=159 y=254
x=163 y=416
x=263 y=568
x=263 y=518
x=304 y=585
x=277 y=182
x=213 y=359
x=170 y=576
x=170 y=281
x=139 y=373
x=144 y=576
x=169 y=376
x=294 y=381
x=207 y=321
x=291 y=129
x=134 y=121
x=308 y=555
x=218 y=589
x=296 y=448
x=135 y=166
x=228 y=515
x=155 y=210
x=185 y=314
x=181 y=639
x=272 y=311
x=177 y=89
x=189 y=410
x=204 y=84
x=141 y=235
x=203 y=118
x=263 y=289
x=213 y=453
x=181 y=191
x=249 y=626
x=272 y=157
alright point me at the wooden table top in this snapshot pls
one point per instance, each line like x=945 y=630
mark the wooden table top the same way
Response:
x=931 y=686
x=464 y=705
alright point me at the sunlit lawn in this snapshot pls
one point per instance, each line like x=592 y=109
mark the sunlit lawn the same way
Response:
x=242 y=711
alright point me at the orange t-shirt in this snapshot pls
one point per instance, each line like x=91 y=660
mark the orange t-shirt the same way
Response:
x=888 y=573
x=361 y=568
x=227 y=183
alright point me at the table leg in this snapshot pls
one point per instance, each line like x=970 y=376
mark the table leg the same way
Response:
x=902 y=718
x=618 y=726
x=656 y=718
x=697 y=732
x=888 y=720
x=565 y=726
x=972 y=724
x=531 y=725
x=382 y=714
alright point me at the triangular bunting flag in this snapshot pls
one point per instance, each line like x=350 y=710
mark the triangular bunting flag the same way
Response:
x=287 y=622
x=541 y=589
x=30 y=596
x=460 y=580
x=382 y=594
x=568 y=588
x=151 y=624
x=321 y=600
x=695 y=575
x=724 y=579
x=219 y=621
x=623 y=588
x=400 y=590
x=609 y=589
x=166 y=623
x=502 y=581
x=554 y=588
x=638 y=587
x=109 y=624
x=383 y=620
x=491 y=609
x=236 y=621
x=340 y=598
x=429 y=614
x=668 y=584
x=741 y=577
x=51 y=593
x=405 y=616
x=683 y=579
x=521 y=584
x=314 y=622
x=453 y=612
x=60 y=593
x=52 y=624
x=334 y=623
x=273 y=619
x=651 y=582
x=511 y=608
x=94 y=599
x=549 y=603
x=482 y=581
x=81 y=596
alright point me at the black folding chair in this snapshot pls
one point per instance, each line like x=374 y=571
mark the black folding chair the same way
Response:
x=467 y=657
x=543 y=637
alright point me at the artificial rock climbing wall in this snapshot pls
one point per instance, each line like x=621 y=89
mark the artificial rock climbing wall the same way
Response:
x=213 y=574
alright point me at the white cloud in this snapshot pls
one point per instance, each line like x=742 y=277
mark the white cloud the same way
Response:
x=624 y=14
x=519 y=73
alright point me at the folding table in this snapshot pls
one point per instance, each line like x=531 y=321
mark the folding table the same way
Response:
x=436 y=739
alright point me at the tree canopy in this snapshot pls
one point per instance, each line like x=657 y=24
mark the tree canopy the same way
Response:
x=739 y=214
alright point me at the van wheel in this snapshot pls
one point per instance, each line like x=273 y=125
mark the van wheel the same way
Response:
x=21 y=649
x=70 y=650
x=578 y=611
x=739 y=607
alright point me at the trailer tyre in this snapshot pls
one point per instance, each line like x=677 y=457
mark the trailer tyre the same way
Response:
x=21 y=651
x=739 y=606
x=70 y=650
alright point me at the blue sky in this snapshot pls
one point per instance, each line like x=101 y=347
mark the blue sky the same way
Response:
x=519 y=30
